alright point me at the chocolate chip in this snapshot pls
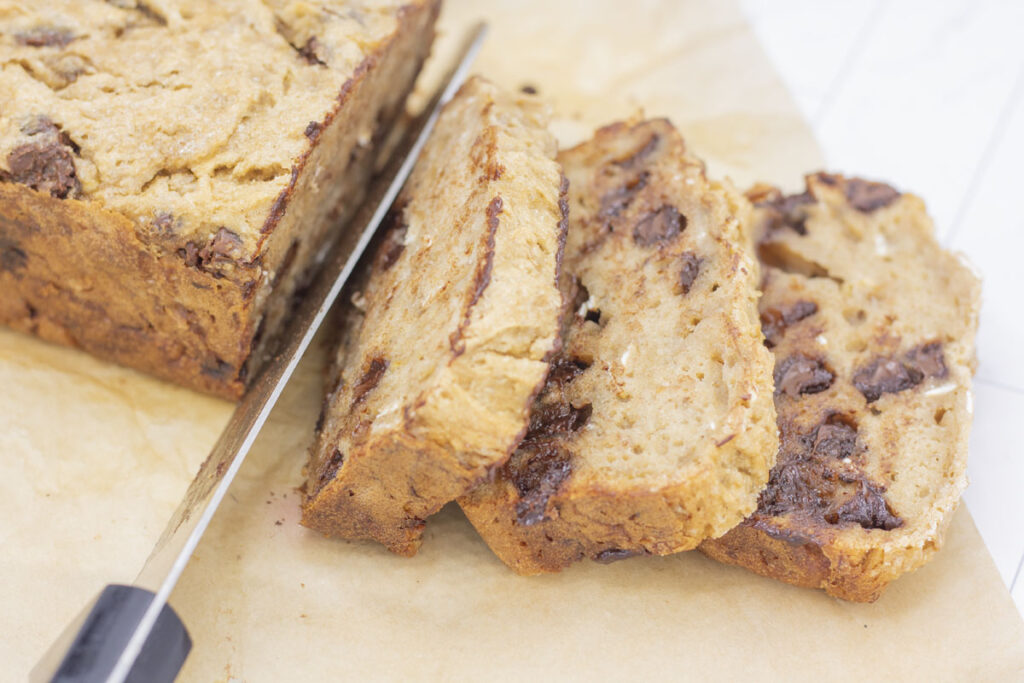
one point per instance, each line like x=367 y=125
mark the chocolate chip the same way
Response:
x=311 y=51
x=224 y=246
x=44 y=37
x=788 y=211
x=835 y=438
x=537 y=475
x=553 y=420
x=563 y=371
x=615 y=554
x=689 y=271
x=190 y=254
x=928 y=359
x=330 y=468
x=866 y=507
x=615 y=200
x=369 y=381
x=635 y=158
x=799 y=375
x=529 y=89
x=313 y=130
x=775 y=320
x=164 y=223
x=659 y=226
x=867 y=196
x=885 y=376
x=47 y=167
x=12 y=258
x=795 y=486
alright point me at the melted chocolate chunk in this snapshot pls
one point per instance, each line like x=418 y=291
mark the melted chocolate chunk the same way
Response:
x=689 y=271
x=659 y=226
x=330 y=468
x=563 y=371
x=835 y=438
x=802 y=485
x=12 y=259
x=866 y=507
x=45 y=166
x=813 y=479
x=928 y=359
x=867 y=196
x=44 y=37
x=774 y=321
x=787 y=211
x=615 y=554
x=798 y=375
x=225 y=246
x=553 y=420
x=537 y=475
x=369 y=381
x=614 y=201
x=885 y=376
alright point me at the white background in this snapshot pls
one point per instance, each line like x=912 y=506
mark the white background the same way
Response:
x=929 y=95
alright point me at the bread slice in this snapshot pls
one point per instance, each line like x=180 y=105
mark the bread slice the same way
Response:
x=872 y=324
x=655 y=428
x=459 y=318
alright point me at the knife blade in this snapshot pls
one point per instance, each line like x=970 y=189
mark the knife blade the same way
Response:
x=130 y=632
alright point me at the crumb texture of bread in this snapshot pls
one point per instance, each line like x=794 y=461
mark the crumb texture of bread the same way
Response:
x=169 y=170
x=872 y=325
x=454 y=327
x=655 y=428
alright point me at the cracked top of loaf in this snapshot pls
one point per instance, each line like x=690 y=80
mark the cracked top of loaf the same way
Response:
x=187 y=116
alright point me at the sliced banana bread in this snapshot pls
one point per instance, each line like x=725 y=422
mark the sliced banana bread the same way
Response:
x=872 y=324
x=459 y=318
x=655 y=428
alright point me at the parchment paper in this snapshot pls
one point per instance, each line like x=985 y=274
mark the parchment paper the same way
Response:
x=93 y=459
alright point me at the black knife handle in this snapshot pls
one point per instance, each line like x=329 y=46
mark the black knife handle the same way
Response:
x=89 y=648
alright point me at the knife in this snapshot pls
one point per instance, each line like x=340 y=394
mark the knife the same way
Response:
x=130 y=632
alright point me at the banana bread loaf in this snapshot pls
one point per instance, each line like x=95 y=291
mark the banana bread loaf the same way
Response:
x=170 y=169
x=872 y=324
x=459 y=317
x=655 y=429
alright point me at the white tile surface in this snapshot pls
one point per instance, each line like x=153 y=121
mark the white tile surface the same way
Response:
x=930 y=95
x=991 y=233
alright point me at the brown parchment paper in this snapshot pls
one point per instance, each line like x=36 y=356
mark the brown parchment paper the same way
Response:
x=93 y=459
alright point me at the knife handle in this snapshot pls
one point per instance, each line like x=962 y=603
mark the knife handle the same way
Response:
x=89 y=648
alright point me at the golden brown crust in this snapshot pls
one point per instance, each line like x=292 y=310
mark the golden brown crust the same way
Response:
x=872 y=326
x=198 y=315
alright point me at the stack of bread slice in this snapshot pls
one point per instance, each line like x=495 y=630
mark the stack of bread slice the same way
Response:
x=591 y=369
